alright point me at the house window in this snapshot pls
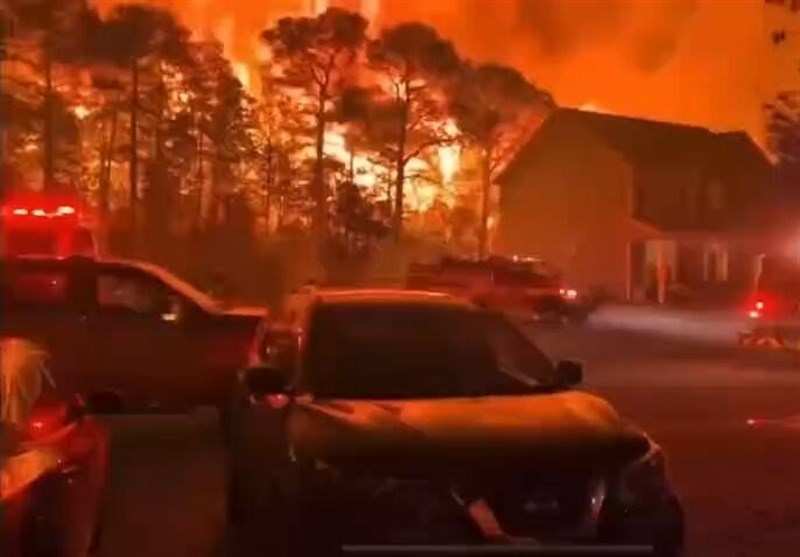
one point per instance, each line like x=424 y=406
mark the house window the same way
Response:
x=715 y=196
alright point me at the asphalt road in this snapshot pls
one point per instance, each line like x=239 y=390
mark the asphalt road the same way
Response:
x=729 y=421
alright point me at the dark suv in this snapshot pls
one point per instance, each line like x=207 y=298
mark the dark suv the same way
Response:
x=405 y=417
x=126 y=333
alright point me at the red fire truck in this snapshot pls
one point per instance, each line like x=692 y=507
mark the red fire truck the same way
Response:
x=34 y=223
x=773 y=316
x=525 y=286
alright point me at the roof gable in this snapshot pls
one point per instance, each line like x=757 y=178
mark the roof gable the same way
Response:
x=642 y=141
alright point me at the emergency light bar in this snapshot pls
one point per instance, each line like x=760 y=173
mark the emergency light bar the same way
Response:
x=61 y=211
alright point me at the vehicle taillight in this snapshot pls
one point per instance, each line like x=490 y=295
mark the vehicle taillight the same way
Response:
x=66 y=210
x=569 y=293
x=20 y=212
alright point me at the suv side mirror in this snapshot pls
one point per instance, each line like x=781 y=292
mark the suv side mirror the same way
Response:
x=262 y=381
x=569 y=373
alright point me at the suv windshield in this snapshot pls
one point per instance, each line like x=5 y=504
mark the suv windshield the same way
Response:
x=401 y=351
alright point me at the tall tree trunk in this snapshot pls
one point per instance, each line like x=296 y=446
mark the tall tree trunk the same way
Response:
x=400 y=174
x=4 y=151
x=319 y=193
x=350 y=208
x=133 y=168
x=486 y=192
x=269 y=184
x=48 y=132
x=105 y=167
x=200 y=180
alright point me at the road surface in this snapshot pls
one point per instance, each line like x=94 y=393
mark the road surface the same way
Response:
x=728 y=420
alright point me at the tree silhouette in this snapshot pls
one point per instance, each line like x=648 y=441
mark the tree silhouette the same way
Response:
x=495 y=106
x=317 y=55
x=784 y=137
x=131 y=35
x=57 y=30
x=418 y=64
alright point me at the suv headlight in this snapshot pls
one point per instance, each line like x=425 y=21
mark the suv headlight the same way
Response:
x=644 y=481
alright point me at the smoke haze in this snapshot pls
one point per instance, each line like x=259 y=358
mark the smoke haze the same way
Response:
x=692 y=61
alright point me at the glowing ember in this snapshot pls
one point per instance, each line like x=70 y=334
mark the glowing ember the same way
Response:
x=594 y=107
x=242 y=73
x=80 y=112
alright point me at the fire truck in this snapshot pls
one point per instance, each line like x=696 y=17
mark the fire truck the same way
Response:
x=773 y=313
x=54 y=224
x=524 y=286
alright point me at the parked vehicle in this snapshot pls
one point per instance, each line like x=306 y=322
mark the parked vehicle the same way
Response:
x=46 y=224
x=127 y=332
x=773 y=316
x=527 y=287
x=400 y=417
x=53 y=459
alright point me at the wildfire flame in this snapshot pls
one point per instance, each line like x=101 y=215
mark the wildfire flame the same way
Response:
x=449 y=155
x=594 y=107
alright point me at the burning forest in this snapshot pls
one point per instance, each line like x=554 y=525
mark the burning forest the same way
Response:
x=341 y=121
x=350 y=134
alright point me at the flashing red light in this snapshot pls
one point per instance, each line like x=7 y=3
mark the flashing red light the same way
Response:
x=61 y=211
x=757 y=310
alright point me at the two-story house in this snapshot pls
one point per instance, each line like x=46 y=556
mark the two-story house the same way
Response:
x=637 y=207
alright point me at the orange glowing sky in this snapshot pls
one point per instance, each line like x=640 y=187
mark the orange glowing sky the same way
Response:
x=706 y=62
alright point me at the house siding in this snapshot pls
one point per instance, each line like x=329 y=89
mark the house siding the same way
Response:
x=669 y=196
x=569 y=201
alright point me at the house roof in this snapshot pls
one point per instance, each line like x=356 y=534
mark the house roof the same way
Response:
x=639 y=140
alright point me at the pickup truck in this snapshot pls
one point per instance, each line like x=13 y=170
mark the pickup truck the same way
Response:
x=126 y=334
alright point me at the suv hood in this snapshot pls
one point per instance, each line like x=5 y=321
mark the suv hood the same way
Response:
x=554 y=432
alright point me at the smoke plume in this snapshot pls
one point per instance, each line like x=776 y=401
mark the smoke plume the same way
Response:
x=692 y=61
